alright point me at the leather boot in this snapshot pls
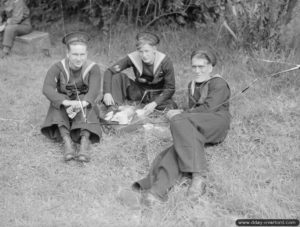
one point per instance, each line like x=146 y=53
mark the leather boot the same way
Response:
x=69 y=153
x=83 y=155
x=198 y=185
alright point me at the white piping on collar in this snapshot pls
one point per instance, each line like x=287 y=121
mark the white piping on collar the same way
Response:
x=86 y=68
x=193 y=82
x=137 y=61
x=63 y=62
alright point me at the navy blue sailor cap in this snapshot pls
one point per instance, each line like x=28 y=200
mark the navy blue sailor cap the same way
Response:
x=77 y=36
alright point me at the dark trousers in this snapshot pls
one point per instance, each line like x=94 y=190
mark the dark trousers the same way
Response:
x=124 y=88
x=190 y=132
x=58 y=117
x=11 y=31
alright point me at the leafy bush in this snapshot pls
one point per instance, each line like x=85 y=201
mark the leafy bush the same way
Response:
x=252 y=23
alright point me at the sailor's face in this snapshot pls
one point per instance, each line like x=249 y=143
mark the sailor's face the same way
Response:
x=77 y=55
x=201 y=67
x=147 y=53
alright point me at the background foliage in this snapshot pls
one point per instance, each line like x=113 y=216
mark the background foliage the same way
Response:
x=247 y=23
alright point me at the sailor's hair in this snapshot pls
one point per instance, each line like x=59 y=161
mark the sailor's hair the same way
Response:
x=206 y=54
x=146 y=38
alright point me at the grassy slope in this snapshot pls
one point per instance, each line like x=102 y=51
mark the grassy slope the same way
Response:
x=254 y=173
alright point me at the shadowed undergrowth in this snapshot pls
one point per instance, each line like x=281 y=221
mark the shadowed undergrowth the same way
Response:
x=254 y=173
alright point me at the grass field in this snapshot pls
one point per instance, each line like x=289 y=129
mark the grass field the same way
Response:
x=254 y=173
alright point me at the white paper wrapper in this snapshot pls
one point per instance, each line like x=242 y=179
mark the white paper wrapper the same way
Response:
x=109 y=116
x=141 y=113
x=124 y=116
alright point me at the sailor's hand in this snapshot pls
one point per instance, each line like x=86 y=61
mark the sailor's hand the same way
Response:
x=67 y=103
x=85 y=103
x=72 y=103
x=172 y=113
x=149 y=108
x=80 y=104
x=108 y=99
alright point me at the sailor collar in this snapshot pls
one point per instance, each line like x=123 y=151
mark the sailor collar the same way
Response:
x=85 y=68
x=137 y=61
x=193 y=82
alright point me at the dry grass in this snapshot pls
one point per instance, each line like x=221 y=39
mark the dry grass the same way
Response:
x=255 y=173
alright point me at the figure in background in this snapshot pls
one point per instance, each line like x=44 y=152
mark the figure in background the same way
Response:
x=14 y=21
x=154 y=82
x=72 y=86
x=205 y=122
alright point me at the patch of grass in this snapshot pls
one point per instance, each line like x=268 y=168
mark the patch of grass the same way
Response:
x=254 y=173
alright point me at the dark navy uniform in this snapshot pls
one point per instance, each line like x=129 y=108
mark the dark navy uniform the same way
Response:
x=151 y=83
x=59 y=86
x=207 y=121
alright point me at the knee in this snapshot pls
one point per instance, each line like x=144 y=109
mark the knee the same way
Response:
x=10 y=29
x=177 y=121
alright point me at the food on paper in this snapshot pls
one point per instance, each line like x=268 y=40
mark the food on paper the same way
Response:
x=109 y=116
x=141 y=113
x=123 y=115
